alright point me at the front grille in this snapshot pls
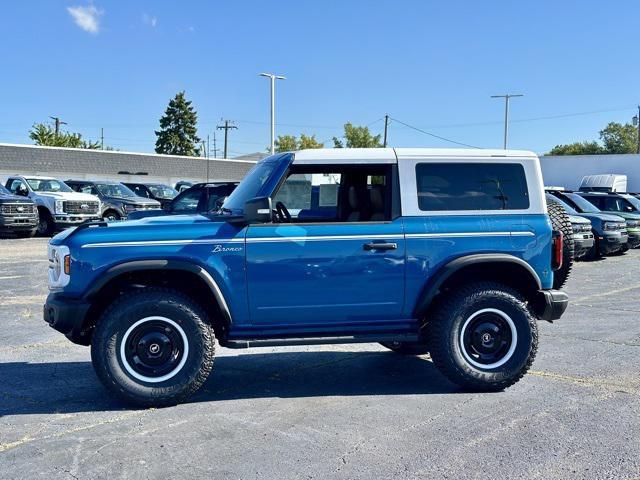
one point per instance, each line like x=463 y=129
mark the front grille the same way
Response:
x=146 y=207
x=17 y=208
x=81 y=208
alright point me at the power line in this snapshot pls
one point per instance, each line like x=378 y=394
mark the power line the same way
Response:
x=433 y=134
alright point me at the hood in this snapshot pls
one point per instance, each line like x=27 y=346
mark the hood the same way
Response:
x=151 y=229
x=600 y=217
x=628 y=215
x=14 y=198
x=69 y=196
x=578 y=220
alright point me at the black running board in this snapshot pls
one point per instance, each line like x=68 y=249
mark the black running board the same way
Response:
x=283 y=342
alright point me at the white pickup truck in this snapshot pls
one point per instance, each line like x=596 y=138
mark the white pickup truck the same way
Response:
x=58 y=205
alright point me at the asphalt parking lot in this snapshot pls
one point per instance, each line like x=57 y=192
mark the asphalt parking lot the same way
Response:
x=354 y=411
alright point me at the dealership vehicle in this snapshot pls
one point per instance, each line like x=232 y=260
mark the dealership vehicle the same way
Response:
x=609 y=182
x=58 y=205
x=155 y=191
x=621 y=204
x=18 y=215
x=581 y=231
x=117 y=200
x=610 y=231
x=446 y=251
x=183 y=185
x=201 y=198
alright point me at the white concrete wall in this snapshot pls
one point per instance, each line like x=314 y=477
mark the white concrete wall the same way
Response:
x=567 y=170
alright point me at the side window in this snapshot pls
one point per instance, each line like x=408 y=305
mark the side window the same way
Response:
x=140 y=191
x=18 y=187
x=187 y=201
x=90 y=189
x=315 y=195
x=471 y=186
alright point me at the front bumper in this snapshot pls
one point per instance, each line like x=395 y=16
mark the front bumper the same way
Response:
x=634 y=238
x=22 y=222
x=66 y=315
x=612 y=242
x=65 y=221
x=582 y=243
x=550 y=304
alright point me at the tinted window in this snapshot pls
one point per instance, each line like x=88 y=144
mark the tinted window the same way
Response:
x=187 y=201
x=471 y=186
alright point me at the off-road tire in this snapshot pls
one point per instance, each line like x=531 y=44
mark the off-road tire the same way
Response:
x=445 y=336
x=46 y=224
x=120 y=317
x=560 y=221
x=407 y=348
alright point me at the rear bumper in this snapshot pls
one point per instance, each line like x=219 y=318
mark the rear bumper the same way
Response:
x=551 y=304
x=66 y=315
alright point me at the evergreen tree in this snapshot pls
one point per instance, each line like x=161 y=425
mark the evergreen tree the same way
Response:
x=178 y=131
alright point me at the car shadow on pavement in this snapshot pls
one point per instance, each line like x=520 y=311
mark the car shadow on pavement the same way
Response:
x=68 y=387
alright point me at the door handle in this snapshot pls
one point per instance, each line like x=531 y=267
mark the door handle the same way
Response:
x=380 y=246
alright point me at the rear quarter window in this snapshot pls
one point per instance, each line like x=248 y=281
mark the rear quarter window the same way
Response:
x=471 y=186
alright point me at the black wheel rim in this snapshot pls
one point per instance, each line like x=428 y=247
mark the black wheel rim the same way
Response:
x=153 y=350
x=488 y=339
x=43 y=226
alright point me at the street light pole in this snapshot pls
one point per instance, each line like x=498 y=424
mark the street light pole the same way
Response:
x=273 y=79
x=636 y=122
x=506 y=114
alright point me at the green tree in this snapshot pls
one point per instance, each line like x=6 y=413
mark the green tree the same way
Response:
x=358 y=137
x=289 y=143
x=178 y=131
x=286 y=143
x=618 y=138
x=43 y=134
x=577 y=148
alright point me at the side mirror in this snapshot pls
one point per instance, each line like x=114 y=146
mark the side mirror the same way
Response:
x=258 y=210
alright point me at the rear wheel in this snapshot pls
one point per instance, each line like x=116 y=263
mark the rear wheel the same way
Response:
x=407 y=348
x=483 y=337
x=560 y=221
x=153 y=347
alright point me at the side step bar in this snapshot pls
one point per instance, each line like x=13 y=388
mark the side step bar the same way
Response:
x=283 y=342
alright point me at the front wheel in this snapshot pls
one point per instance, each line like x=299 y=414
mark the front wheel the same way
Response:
x=153 y=347
x=46 y=225
x=483 y=337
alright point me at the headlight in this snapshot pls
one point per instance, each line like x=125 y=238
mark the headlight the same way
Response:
x=129 y=208
x=59 y=266
x=614 y=226
x=59 y=206
x=632 y=223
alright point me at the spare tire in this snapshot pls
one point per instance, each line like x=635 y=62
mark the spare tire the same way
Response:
x=560 y=221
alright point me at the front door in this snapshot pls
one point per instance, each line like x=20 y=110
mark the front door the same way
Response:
x=336 y=261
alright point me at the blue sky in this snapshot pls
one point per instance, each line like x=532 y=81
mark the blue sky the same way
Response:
x=429 y=64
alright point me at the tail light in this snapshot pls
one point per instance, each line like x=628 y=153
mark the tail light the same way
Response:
x=557 y=250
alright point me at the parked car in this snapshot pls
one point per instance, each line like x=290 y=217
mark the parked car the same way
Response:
x=58 y=205
x=581 y=230
x=18 y=215
x=610 y=231
x=624 y=205
x=183 y=185
x=151 y=296
x=117 y=200
x=155 y=191
x=609 y=182
x=201 y=198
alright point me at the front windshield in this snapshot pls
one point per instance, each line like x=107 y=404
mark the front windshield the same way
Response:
x=584 y=206
x=566 y=206
x=47 y=185
x=163 y=191
x=114 y=190
x=250 y=186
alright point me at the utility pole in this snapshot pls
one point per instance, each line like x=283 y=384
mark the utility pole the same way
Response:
x=58 y=122
x=273 y=79
x=636 y=122
x=506 y=114
x=101 y=138
x=226 y=127
x=207 y=159
x=215 y=148
x=386 y=126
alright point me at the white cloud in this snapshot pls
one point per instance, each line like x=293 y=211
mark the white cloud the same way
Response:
x=87 y=18
x=150 y=20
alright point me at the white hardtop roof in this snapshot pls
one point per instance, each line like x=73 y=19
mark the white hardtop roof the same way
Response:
x=35 y=177
x=392 y=155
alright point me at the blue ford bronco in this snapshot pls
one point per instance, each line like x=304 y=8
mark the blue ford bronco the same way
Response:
x=446 y=252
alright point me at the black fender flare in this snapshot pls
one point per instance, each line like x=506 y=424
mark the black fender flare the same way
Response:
x=162 y=264
x=432 y=286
